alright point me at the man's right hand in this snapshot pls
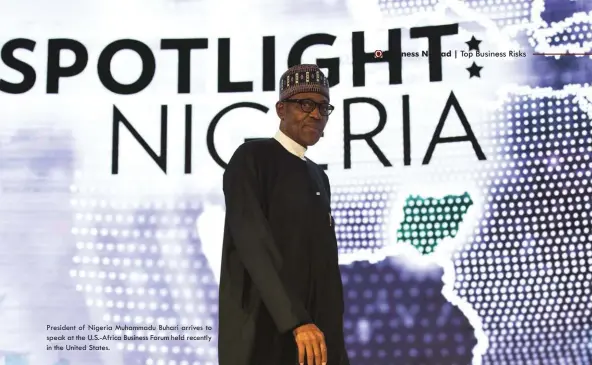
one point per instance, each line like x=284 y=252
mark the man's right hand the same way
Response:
x=311 y=344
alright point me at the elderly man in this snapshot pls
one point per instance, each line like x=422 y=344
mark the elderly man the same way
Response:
x=281 y=295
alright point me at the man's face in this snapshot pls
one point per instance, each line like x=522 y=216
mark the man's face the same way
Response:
x=303 y=127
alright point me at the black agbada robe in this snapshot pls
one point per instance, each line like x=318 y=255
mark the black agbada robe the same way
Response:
x=279 y=258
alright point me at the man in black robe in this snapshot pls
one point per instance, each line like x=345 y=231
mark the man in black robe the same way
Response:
x=281 y=295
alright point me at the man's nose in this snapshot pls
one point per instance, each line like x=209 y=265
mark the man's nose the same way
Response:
x=316 y=113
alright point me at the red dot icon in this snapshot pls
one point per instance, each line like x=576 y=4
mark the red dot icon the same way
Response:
x=378 y=53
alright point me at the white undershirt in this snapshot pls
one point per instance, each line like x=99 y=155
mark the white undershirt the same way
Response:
x=290 y=145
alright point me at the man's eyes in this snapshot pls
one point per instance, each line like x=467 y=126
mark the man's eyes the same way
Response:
x=312 y=103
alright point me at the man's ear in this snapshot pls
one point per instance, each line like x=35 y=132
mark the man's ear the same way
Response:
x=280 y=109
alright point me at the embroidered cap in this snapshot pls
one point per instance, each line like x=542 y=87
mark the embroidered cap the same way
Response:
x=307 y=78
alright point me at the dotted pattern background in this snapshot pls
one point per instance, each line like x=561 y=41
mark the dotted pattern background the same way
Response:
x=525 y=269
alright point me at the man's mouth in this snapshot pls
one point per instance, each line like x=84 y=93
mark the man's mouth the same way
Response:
x=316 y=130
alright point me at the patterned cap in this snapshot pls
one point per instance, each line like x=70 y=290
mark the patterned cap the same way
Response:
x=303 y=79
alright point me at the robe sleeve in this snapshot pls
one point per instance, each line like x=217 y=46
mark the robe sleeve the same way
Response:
x=254 y=242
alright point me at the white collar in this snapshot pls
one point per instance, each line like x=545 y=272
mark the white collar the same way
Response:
x=290 y=145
